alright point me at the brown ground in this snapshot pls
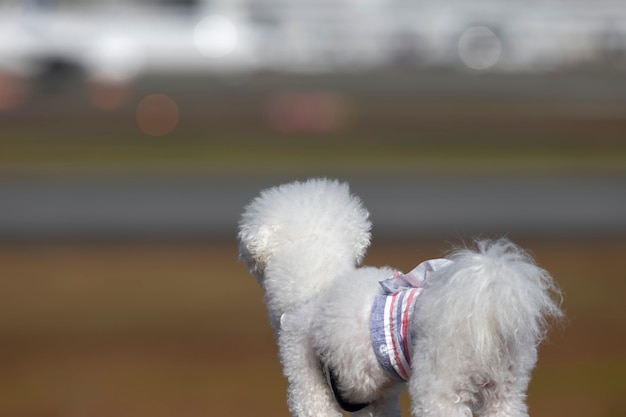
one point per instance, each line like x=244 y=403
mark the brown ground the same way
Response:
x=179 y=329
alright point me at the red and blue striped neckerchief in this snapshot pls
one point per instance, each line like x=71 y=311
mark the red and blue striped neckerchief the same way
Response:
x=391 y=317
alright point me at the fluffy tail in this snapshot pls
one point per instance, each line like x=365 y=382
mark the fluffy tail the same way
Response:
x=494 y=299
x=297 y=237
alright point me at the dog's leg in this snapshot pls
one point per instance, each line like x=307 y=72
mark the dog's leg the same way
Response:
x=434 y=386
x=440 y=404
x=506 y=399
x=308 y=391
x=503 y=392
x=386 y=406
x=513 y=405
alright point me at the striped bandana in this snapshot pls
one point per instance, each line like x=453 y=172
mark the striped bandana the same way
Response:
x=391 y=317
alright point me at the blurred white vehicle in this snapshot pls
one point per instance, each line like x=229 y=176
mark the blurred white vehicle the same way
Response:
x=119 y=40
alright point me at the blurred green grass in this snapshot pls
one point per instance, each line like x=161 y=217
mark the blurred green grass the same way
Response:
x=250 y=153
x=179 y=328
x=233 y=131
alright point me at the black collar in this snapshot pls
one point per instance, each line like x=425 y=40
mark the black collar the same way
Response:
x=343 y=403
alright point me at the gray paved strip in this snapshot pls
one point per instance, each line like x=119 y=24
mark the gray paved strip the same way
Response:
x=206 y=207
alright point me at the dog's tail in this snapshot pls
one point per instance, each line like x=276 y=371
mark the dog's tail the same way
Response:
x=297 y=237
x=493 y=300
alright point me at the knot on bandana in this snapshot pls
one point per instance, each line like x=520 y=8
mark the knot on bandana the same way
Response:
x=414 y=279
x=391 y=317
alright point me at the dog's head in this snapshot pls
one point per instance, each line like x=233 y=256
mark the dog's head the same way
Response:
x=318 y=209
x=297 y=236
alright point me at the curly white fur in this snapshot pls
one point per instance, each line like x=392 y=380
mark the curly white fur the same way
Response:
x=476 y=325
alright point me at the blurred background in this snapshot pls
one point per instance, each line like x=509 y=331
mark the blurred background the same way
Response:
x=133 y=133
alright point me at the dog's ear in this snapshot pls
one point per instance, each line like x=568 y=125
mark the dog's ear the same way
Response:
x=254 y=249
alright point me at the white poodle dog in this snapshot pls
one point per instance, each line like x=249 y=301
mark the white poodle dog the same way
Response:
x=462 y=332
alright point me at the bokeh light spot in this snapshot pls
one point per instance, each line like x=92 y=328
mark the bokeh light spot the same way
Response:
x=308 y=112
x=215 y=36
x=13 y=91
x=479 y=48
x=157 y=114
